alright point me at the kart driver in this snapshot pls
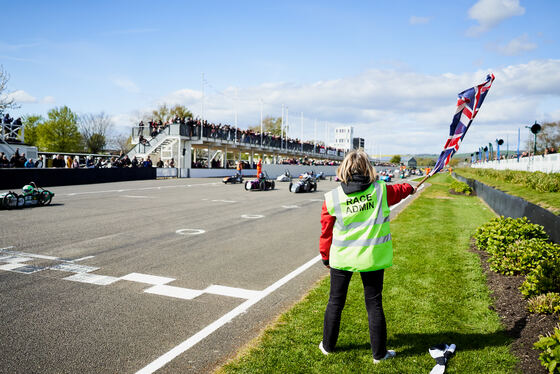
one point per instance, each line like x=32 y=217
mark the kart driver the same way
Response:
x=355 y=237
x=259 y=168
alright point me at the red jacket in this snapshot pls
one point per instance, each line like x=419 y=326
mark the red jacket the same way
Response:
x=395 y=193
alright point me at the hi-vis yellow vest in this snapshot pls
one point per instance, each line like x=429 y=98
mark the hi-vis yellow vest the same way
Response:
x=361 y=233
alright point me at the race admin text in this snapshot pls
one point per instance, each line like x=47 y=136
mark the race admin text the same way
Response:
x=359 y=203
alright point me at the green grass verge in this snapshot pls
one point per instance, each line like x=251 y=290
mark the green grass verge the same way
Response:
x=434 y=293
x=547 y=200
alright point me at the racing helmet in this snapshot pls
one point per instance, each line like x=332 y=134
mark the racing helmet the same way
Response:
x=28 y=189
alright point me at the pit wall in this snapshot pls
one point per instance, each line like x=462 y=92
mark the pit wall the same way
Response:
x=515 y=207
x=17 y=178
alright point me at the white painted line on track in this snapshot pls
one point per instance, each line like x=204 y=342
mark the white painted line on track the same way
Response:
x=15 y=254
x=224 y=201
x=73 y=268
x=9 y=267
x=83 y=258
x=190 y=231
x=252 y=216
x=232 y=292
x=290 y=206
x=138 y=196
x=100 y=280
x=15 y=259
x=23 y=254
x=147 y=278
x=176 y=292
x=242 y=308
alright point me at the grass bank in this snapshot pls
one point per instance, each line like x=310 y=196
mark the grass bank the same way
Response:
x=547 y=200
x=434 y=293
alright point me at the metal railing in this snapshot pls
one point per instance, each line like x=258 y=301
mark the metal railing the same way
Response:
x=231 y=136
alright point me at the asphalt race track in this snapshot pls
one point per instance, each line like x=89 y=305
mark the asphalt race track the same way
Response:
x=167 y=275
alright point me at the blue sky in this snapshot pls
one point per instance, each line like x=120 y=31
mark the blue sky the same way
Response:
x=390 y=69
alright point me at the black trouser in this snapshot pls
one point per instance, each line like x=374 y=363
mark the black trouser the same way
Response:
x=373 y=286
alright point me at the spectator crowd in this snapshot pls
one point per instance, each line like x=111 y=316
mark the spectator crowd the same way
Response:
x=196 y=127
x=9 y=128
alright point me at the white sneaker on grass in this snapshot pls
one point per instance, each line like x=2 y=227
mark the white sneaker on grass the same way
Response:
x=389 y=354
x=323 y=349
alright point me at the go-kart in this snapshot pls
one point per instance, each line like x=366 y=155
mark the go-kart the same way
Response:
x=286 y=177
x=321 y=176
x=32 y=196
x=236 y=178
x=386 y=178
x=305 y=183
x=262 y=183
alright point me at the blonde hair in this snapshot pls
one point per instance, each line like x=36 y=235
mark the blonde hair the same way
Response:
x=356 y=162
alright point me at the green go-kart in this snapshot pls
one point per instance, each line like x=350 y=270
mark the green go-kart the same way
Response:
x=31 y=196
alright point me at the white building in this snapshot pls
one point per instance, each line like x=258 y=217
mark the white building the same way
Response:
x=343 y=137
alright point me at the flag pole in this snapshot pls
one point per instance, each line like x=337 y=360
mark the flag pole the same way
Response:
x=423 y=180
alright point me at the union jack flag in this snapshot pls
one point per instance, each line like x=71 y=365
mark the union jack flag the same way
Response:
x=468 y=105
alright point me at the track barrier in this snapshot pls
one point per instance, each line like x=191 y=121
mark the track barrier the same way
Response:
x=515 y=207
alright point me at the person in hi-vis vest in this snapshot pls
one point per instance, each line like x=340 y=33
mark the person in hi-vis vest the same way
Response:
x=355 y=237
x=259 y=168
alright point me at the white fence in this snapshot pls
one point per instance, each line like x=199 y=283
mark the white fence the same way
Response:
x=166 y=172
x=547 y=164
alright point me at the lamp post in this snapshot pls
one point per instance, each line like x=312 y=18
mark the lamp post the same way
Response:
x=535 y=129
x=499 y=142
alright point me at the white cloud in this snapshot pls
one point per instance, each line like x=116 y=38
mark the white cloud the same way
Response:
x=516 y=46
x=185 y=96
x=48 y=100
x=414 y=20
x=400 y=112
x=489 y=13
x=123 y=121
x=20 y=97
x=126 y=84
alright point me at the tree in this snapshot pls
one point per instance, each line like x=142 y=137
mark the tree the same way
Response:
x=94 y=129
x=59 y=133
x=122 y=142
x=549 y=135
x=6 y=102
x=30 y=125
x=165 y=114
x=271 y=125
x=396 y=159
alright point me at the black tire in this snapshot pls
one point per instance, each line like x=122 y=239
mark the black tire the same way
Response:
x=262 y=185
x=7 y=198
x=306 y=187
x=272 y=185
x=247 y=187
x=45 y=198
x=290 y=187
